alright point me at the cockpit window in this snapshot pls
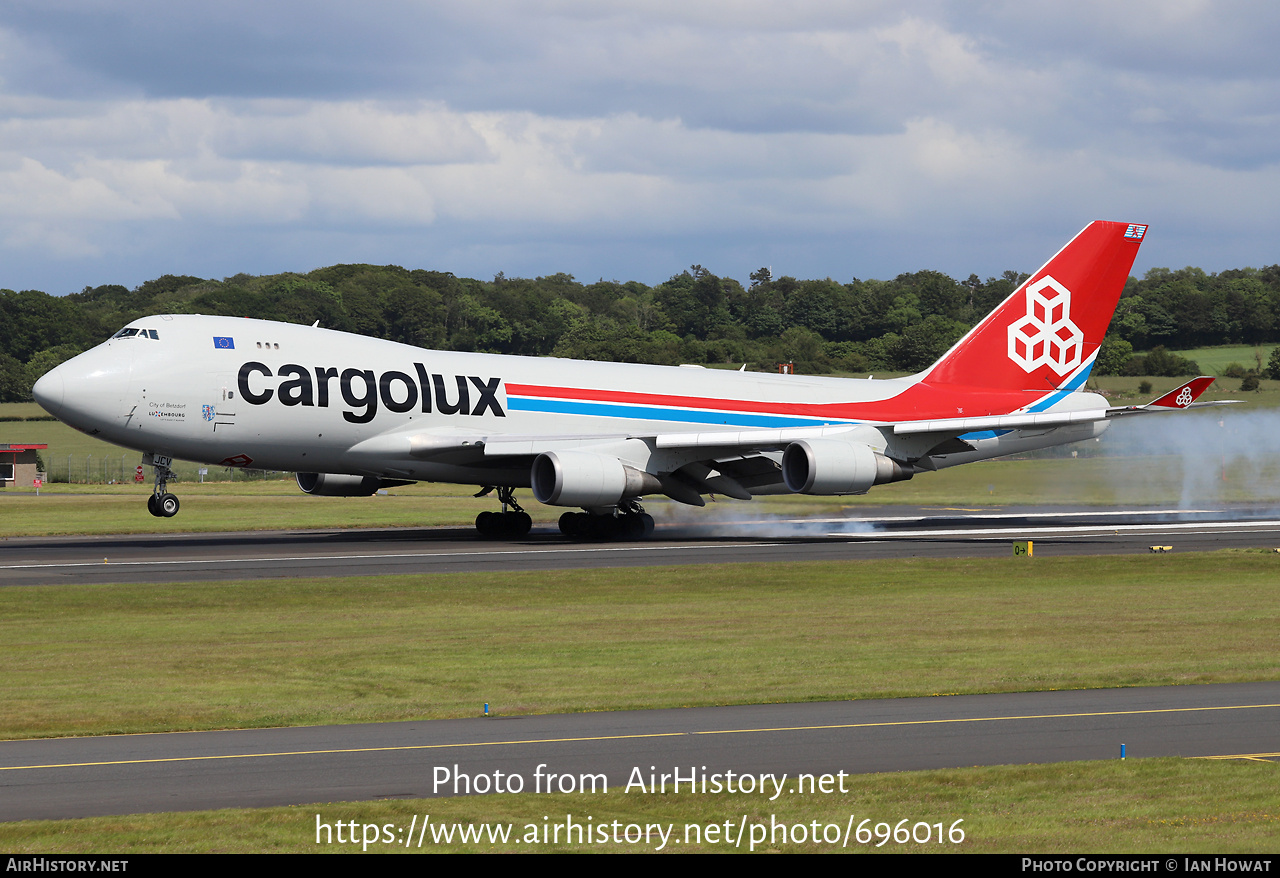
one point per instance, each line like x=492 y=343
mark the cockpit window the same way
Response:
x=130 y=332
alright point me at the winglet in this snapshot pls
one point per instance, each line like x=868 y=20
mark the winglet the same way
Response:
x=1184 y=396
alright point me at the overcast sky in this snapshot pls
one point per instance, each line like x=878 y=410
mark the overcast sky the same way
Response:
x=628 y=140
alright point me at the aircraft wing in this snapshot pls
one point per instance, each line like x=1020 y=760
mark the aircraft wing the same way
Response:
x=761 y=440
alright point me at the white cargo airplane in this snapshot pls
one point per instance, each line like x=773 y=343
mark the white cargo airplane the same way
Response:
x=351 y=414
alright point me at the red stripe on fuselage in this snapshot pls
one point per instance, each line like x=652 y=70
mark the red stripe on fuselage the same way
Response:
x=919 y=402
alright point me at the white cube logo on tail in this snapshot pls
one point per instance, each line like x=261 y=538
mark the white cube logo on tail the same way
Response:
x=1046 y=336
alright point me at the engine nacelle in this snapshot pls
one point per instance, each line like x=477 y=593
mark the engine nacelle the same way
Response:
x=343 y=485
x=580 y=478
x=829 y=466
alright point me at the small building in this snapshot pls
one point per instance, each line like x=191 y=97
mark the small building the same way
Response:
x=18 y=464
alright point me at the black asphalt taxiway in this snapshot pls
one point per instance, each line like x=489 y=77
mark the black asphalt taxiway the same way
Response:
x=76 y=777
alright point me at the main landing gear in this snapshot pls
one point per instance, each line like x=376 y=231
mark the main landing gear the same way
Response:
x=161 y=503
x=630 y=522
x=510 y=522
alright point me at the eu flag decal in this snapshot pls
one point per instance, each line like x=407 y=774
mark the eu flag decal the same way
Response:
x=224 y=341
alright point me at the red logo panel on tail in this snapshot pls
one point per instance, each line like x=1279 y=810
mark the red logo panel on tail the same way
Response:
x=1053 y=324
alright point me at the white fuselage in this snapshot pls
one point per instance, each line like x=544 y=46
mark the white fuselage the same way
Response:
x=278 y=396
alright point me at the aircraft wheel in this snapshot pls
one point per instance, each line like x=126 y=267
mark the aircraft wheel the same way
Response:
x=520 y=523
x=569 y=525
x=168 y=505
x=151 y=506
x=503 y=524
x=632 y=526
x=586 y=526
x=607 y=527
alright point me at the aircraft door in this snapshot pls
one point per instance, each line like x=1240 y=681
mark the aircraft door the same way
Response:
x=220 y=412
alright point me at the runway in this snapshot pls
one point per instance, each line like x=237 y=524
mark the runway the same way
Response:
x=77 y=777
x=887 y=532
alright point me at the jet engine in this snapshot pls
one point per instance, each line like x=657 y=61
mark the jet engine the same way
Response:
x=580 y=478
x=829 y=466
x=342 y=485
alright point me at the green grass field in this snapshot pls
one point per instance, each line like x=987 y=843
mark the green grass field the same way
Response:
x=1123 y=390
x=144 y=658
x=1213 y=360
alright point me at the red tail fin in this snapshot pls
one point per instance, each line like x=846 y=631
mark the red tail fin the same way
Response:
x=1047 y=333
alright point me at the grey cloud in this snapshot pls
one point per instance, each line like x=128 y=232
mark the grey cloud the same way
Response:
x=358 y=133
x=630 y=139
x=1180 y=39
x=236 y=48
x=1044 y=71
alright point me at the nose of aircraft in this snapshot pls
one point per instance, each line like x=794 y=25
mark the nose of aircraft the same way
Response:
x=50 y=389
x=86 y=391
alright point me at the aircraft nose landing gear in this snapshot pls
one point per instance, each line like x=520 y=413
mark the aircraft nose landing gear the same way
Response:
x=161 y=503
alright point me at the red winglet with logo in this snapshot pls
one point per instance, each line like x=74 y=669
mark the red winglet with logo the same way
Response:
x=1181 y=397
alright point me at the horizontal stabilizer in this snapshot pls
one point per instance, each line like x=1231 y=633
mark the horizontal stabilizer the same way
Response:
x=1181 y=397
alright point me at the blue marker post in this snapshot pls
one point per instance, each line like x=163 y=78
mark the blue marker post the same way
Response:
x=1121 y=746
x=486 y=712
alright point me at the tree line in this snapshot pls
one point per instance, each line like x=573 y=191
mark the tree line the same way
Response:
x=898 y=325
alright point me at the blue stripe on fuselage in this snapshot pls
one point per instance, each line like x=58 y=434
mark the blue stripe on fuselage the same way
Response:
x=1077 y=381
x=647 y=413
